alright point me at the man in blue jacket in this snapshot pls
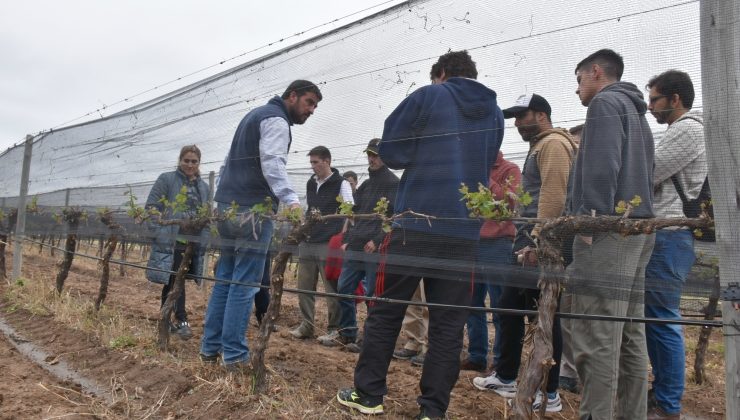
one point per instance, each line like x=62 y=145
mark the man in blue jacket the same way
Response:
x=442 y=135
x=254 y=170
x=607 y=275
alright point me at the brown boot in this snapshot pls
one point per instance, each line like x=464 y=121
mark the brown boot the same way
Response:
x=657 y=413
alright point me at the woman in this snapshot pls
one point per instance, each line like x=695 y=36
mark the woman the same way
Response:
x=168 y=246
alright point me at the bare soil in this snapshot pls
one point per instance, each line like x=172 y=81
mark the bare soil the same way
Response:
x=117 y=349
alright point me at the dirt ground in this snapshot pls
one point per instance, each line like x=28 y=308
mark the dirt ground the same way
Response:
x=115 y=349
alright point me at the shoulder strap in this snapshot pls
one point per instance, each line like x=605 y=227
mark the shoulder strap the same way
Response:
x=679 y=189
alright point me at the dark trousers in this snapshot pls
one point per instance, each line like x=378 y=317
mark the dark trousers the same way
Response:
x=512 y=334
x=446 y=265
x=262 y=298
x=179 y=308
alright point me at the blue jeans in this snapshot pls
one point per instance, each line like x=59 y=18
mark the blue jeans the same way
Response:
x=355 y=268
x=243 y=261
x=665 y=275
x=492 y=254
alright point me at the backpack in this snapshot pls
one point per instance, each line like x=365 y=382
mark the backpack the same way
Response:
x=692 y=208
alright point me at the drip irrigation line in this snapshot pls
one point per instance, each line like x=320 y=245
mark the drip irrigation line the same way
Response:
x=520 y=312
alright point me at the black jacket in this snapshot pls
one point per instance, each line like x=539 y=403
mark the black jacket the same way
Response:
x=325 y=200
x=382 y=183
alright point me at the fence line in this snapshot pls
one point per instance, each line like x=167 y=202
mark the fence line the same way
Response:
x=522 y=312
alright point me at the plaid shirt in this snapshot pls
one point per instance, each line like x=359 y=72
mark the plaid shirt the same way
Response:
x=681 y=152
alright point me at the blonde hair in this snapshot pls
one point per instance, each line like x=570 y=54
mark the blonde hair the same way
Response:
x=189 y=149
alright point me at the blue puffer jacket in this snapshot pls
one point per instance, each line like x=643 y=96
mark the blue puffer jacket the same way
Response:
x=162 y=257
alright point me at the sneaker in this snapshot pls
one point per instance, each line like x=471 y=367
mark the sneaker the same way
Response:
x=182 y=329
x=467 y=364
x=330 y=340
x=404 y=354
x=424 y=416
x=554 y=404
x=569 y=384
x=496 y=384
x=211 y=360
x=418 y=360
x=300 y=334
x=364 y=404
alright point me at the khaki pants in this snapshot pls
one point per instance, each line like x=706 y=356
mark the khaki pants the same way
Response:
x=567 y=364
x=611 y=357
x=416 y=322
x=311 y=261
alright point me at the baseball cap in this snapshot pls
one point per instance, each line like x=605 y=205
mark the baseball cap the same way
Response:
x=531 y=101
x=372 y=147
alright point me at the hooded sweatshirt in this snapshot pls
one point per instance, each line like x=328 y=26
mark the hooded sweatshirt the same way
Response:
x=615 y=157
x=442 y=135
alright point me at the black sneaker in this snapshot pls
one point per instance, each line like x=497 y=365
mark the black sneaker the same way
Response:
x=183 y=330
x=404 y=354
x=211 y=360
x=424 y=416
x=364 y=404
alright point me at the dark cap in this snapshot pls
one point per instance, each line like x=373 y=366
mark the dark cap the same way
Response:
x=531 y=101
x=372 y=147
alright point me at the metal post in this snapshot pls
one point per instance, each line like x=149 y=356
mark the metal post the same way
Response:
x=66 y=198
x=20 y=226
x=207 y=256
x=720 y=67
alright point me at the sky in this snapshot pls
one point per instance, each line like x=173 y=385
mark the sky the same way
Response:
x=62 y=60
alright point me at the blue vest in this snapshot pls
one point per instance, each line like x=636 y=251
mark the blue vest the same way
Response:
x=242 y=180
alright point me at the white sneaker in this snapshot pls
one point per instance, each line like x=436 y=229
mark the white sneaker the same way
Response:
x=554 y=405
x=495 y=384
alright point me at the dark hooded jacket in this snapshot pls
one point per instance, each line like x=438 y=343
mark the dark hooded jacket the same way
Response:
x=615 y=157
x=381 y=183
x=442 y=135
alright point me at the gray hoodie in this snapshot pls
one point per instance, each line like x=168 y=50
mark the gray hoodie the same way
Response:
x=615 y=158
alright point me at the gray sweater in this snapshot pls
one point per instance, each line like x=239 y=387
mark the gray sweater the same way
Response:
x=615 y=158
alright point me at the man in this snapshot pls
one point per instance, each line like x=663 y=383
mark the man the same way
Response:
x=253 y=171
x=322 y=190
x=351 y=177
x=494 y=250
x=607 y=275
x=442 y=135
x=545 y=178
x=361 y=243
x=679 y=156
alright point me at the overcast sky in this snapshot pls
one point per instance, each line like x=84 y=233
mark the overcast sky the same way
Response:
x=64 y=59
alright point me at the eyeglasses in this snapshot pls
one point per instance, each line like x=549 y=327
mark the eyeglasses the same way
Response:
x=191 y=161
x=654 y=99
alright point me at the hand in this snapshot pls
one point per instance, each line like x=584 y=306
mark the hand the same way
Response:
x=344 y=247
x=370 y=247
x=527 y=256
